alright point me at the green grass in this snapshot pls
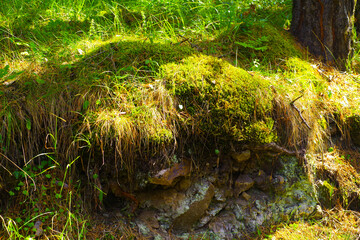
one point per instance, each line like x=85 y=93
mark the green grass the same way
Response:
x=86 y=86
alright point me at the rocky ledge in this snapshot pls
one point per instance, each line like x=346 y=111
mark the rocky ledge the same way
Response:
x=240 y=193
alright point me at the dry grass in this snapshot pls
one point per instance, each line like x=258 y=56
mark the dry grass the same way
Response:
x=336 y=224
x=105 y=101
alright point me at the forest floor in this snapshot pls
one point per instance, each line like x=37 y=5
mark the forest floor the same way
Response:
x=86 y=81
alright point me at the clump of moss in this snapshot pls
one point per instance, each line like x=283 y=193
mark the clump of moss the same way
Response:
x=124 y=58
x=278 y=43
x=262 y=46
x=221 y=100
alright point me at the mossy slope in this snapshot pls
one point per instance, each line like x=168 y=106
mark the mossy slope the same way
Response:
x=222 y=101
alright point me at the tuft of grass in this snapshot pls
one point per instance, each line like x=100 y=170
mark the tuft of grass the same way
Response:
x=336 y=224
x=127 y=85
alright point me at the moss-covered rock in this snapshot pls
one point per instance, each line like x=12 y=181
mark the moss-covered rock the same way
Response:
x=220 y=100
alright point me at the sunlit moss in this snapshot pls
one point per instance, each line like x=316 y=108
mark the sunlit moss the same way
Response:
x=223 y=101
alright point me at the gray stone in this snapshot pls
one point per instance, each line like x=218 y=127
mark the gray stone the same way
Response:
x=262 y=181
x=149 y=218
x=246 y=196
x=212 y=211
x=226 y=226
x=167 y=176
x=242 y=184
x=184 y=184
x=195 y=211
x=241 y=157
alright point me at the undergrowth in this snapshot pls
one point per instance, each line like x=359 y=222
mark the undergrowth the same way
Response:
x=92 y=90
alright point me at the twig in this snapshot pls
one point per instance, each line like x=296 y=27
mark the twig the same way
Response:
x=292 y=102
x=293 y=105
x=193 y=45
x=25 y=173
x=273 y=147
x=225 y=54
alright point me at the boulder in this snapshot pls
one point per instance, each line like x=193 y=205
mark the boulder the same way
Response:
x=168 y=200
x=149 y=218
x=226 y=225
x=242 y=184
x=196 y=209
x=241 y=157
x=167 y=176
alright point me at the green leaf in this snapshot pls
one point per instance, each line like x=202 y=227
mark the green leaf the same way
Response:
x=33 y=47
x=18 y=220
x=30 y=224
x=86 y=104
x=14 y=75
x=48 y=175
x=28 y=124
x=11 y=193
x=95 y=176
x=26 y=193
x=40 y=81
x=4 y=71
x=58 y=196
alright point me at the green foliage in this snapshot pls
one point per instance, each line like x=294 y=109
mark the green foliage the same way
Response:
x=37 y=212
x=257 y=44
x=125 y=78
x=224 y=101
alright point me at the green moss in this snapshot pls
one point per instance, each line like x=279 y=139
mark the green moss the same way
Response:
x=300 y=68
x=263 y=46
x=280 y=43
x=223 y=101
x=129 y=57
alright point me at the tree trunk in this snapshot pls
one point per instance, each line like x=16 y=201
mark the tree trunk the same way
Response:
x=325 y=28
x=357 y=19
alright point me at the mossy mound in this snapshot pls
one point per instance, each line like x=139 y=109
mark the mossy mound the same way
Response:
x=108 y=100
x=261 y=46
x=220 y=100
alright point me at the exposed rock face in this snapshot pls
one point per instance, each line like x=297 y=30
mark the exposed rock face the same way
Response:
x=225 y=225
x=179 y=210
x=213 y=208
x=240 y=160
x=167 y=176
x=241 y=157
x=196 y=210
x=242 y=184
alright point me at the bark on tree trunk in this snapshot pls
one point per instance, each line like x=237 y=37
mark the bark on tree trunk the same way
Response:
x=325 y=28
x=357 y=19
